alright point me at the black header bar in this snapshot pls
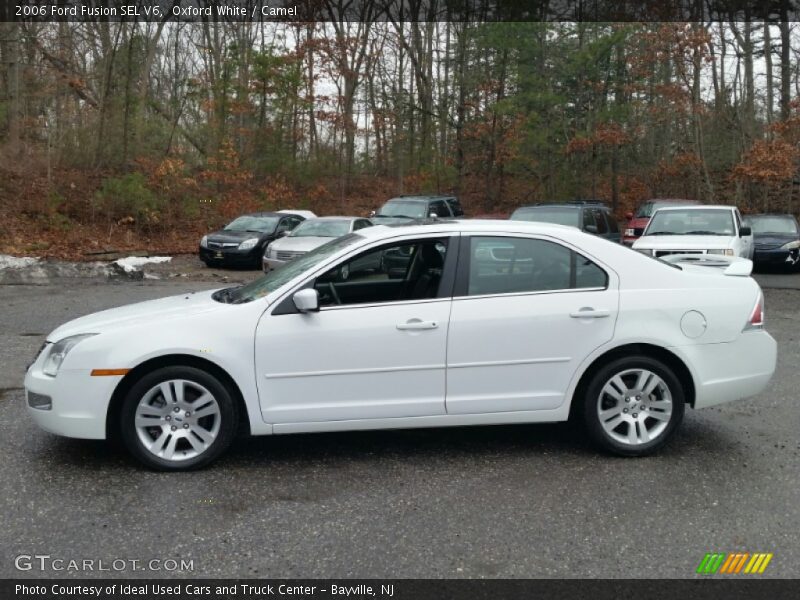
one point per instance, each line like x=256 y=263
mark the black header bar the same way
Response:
x=398 y=10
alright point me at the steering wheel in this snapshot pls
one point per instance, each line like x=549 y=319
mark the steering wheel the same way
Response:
x=334 y=293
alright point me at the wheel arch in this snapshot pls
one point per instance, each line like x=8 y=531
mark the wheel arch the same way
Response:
x=669 y=358
x=172 y=360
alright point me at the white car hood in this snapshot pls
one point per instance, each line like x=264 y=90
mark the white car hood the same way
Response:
x=683 y=242
x=299 y=244
x=141 y=313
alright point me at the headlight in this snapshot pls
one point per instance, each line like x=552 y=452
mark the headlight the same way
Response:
x=204 y=241
x=629 y=232
x=791 y=245
x=725 y=252
x=58 y=352
x=247 y=244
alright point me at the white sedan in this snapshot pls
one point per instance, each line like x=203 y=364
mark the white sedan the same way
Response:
x=491 y=322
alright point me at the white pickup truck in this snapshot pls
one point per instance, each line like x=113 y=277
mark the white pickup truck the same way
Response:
x=701 y=229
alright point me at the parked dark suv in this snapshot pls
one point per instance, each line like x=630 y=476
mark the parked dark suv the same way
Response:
x=410 y=208
x=587 y=215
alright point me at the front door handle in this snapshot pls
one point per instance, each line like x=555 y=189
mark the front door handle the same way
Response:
x=417 y=325
x=587 y=312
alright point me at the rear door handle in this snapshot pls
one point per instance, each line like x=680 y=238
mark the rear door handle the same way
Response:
x=587 y=312
x=417 y=325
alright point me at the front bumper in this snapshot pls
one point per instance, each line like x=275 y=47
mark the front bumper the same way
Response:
x=730 y=371
x=776 y=257
x=79 y=401
x=271 y=263
x=231 y=256
x=628 y=240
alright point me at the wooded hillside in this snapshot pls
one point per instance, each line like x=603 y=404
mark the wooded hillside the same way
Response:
x=144 y=135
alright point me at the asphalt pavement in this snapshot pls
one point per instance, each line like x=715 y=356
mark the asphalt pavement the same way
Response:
x=511 y=501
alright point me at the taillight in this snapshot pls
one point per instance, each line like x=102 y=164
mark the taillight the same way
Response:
x=756 y=320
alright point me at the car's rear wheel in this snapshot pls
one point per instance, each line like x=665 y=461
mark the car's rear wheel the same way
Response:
x=633 y=406
x=178 y=418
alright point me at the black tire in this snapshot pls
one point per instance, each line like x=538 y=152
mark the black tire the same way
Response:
x=592 y=403
x=226 y=429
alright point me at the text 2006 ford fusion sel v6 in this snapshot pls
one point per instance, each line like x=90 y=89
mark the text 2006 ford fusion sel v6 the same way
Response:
x=444 y=323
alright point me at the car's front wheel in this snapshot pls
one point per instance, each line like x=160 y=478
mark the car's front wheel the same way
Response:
x=633 y=405
x=178 y=418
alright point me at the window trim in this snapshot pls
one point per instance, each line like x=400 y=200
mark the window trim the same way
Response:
x=285 y=305
x=461 y=288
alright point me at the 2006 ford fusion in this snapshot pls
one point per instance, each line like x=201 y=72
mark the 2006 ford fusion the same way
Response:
x=447 y=323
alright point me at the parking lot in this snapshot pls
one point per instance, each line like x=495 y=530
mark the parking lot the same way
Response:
x=512 y=501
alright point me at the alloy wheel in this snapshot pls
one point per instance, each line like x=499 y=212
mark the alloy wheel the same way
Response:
x=635 y=407
x=177 y=420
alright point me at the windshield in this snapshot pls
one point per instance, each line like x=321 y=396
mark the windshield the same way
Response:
x=322 y=228
x=285 y=273
x=412 y=209
x=773 y=225
x=691 y=222
x=560 y=216
x=250 y=223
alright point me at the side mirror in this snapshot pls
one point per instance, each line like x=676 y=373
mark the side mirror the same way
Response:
x=629 y=215
x=745 y=231
x=284 y=233
x=591 y=229
x=306 y=300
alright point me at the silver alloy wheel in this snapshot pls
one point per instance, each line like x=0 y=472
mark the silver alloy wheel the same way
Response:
x=177 y=419
x=634 y=407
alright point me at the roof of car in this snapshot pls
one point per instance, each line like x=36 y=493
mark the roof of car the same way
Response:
x=270 y=213
x=571 y=204
x=337 y=218
x=471 y=225
x=421 y=198
x=699 y=207
x=787 y=215
x=688 y=201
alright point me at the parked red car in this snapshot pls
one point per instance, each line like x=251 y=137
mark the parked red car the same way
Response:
x=637 y=222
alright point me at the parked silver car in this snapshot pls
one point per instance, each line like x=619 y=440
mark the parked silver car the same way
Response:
x=310 y=234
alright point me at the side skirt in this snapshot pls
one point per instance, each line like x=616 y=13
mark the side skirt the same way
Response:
x=501 y=418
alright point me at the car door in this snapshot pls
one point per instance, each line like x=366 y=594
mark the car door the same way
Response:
x=744 y=244
x=441 y=209
x=589 y=225
x=375 y=349
x=526 y=312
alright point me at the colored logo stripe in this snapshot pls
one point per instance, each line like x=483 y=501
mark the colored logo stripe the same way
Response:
x=734 y=563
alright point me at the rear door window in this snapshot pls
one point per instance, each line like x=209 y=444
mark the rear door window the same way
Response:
x=508 y=265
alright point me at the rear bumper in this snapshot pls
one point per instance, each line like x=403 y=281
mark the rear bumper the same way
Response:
x=730 y=371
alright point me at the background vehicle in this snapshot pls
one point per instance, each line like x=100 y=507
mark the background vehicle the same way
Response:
x=405 y=209
x=492 y=322
x=701 y=229
x=776 y=240
x=307 y=236
x=242 y=241
x=637 y=222
x=587 y=215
